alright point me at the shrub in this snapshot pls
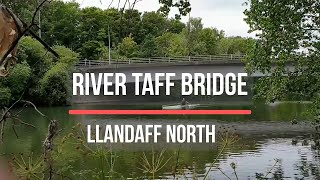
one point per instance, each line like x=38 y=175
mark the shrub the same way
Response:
x=53 y=86
x=5 y=96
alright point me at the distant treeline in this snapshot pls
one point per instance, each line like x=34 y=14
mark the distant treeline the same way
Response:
x=132 y=33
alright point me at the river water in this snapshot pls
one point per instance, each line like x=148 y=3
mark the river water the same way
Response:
x=268 y=141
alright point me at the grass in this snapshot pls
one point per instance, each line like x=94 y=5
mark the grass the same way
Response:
x=154 y=164
x=28 y=167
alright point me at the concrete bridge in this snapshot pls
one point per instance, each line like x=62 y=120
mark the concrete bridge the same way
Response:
x=199 y=64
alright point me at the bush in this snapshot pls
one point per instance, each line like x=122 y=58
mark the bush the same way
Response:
x=53 y=85
x=128 y=47
x=92 y=50
x=67 y=56
x=18 y=79
x=5 y=96
x=33 y=52
x=39 y=75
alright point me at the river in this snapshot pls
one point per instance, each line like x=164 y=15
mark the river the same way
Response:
x=268 y=141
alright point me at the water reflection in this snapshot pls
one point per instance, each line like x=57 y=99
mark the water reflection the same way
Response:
x=267 y=135
x=295 y=162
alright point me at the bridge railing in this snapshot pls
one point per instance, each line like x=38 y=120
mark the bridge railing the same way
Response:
x=154 y=60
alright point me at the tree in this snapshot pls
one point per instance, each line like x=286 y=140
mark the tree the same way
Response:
x=130 y=25
x=192 y=32
x=288 y=31
x=153 y=23
x=178 y=46
x=24 y=9
x=92 y=50
x=60 y=24
x=199 y=48
x=39 y=76
x=211 y=37
x=5 y=96
x=163 y=43
x=183 y=6
x=54 y=85
x=170 y=44
x=128 y=47
x=235 y=45
x=201 y=40
x=32 y=52
x=175 y=26
x=114 y=25
x=67 y=56
x=93 y=22
x=149 y=47
x=18 y=80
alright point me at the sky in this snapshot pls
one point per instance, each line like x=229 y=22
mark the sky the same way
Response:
x=224 y=15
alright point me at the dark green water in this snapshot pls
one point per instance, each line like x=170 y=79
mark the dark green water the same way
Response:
x=266 y=135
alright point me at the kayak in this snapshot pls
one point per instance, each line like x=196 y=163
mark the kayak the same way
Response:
x=178 y=106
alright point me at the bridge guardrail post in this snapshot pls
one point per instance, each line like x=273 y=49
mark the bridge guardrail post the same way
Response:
x=149 y=60
x=189 y=58
x=129 y=61
x=231 y=56
x=169 y=59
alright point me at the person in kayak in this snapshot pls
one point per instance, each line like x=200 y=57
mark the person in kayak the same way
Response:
x=184 y=103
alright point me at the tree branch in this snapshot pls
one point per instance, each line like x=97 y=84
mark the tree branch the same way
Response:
x=28 y=28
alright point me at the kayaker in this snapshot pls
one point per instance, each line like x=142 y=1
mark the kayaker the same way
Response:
x=184 y=102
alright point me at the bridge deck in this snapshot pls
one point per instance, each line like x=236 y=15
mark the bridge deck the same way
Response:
x=180 y=60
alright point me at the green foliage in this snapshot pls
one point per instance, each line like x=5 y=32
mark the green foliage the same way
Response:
x=18 y=79
x=175 y=26
x=86 y=31
x=201 y=41
x=92 y=50
x=130 y=25
x=288 y=31
x=199 y=48
x=211 y=38
x=163 y=43
x=35 y=55
x=235 y=45
x=59 y=23
x=149 y=47
x=39 y=60
x=93 y=22
x=5 y=96
x=170 y=44
x=24 y=9
x=39 y=76
x=128 y=47
x=53 y=85
x=153 y=23
x=178 y=46
x=183 y=6
x=67 y=56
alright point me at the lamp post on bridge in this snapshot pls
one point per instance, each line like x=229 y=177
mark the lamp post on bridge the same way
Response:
x=109 y=44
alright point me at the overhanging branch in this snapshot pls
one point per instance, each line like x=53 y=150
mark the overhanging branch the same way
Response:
x=28 y=29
